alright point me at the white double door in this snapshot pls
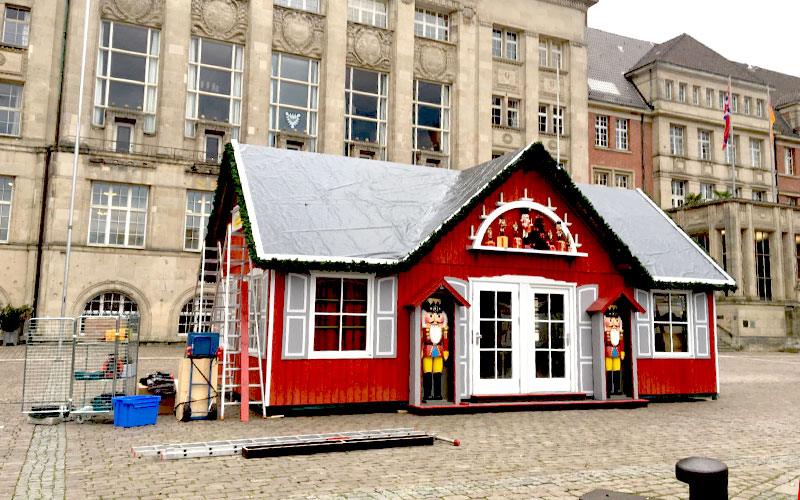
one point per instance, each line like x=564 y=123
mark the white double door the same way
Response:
x=521 y=337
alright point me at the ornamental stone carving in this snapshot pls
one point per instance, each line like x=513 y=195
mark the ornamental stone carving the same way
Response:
x=220 y=19
x=369 y=47
x=507 y=77
x=142 y=12
x=298 y=32
x=548 y=86
x=434 y=60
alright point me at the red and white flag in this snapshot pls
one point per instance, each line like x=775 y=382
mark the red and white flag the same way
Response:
x=727 y=116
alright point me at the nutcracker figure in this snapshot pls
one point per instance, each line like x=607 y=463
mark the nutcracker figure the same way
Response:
x=517 y=235
x=502 y=240
x=615 y=350
x=527 y=227
x=434 y=348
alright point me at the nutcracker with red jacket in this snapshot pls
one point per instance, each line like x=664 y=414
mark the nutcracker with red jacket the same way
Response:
x=434 y=347
x=615 y=350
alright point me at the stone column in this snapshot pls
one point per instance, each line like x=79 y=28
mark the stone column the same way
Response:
x=776 y=257
x=176 y=34
x=401 y=82
x=531 y=47
x=789 y=250
x=748 y=254
x=483 y=95
x=578 y=113
x=334 y=64
x=258 y=60
x=466 y=118
x=734 y=245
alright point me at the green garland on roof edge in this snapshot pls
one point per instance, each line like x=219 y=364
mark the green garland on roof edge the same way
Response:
x=638 y=275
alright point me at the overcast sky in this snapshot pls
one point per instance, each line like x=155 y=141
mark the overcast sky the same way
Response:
x=757 y=32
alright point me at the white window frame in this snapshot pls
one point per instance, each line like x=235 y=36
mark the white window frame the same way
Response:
x=444 y=130
x=696 y=95
x=506 y=111
x=709 y=98
x=367 y=353
x=376 y=12
x=6 y=184
x=677 y=140
x=553 y=52
x=114 y=297
x=25 y=24
x=621 y=133
x=707 y=191
x=261 y=297
x=542 y=123
x=746 y=105
x=601 y=177
x=601 y=131
x=206 y=201
x=622 y=178
x=689 y=354
x=757 y=195
x=678 y=192
x=505 y=44
x=704 y=144
x=755 y=153
x=11 y=92
x=108 y=207
x=192 y=318
x=193 y=91
x=558 y=121
x=731 y=151
x=734 y=103
x=759 y=108
x=431 y=24
x=380 y=121
x=104 y=79
x=513 y=110
x=307 y=5
x=130 y=127
x=497 y=110
x=612 y=177
x=788 y=160
x=668 y=89
x=543 y=53
x=277 y=79
x=682 y=92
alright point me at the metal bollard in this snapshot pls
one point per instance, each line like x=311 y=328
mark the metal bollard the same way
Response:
x=707 y=478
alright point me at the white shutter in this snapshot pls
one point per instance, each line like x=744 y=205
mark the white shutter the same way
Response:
x=587 y=294
x=384 y=342
x=643 y=325
x=460 y=339
x=701 y=342
x=295 y=317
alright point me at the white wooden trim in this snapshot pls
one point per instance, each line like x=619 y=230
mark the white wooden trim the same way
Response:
x=690 y=352
x=270 y=334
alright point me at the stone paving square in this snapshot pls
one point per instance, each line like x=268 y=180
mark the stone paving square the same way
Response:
x=753 y=428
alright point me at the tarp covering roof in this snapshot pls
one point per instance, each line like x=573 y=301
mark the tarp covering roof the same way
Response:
x=668 y=254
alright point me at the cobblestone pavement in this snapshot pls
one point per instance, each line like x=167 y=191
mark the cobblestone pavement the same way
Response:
x=753 y=428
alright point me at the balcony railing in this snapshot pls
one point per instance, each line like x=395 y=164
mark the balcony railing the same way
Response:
x=94 y=145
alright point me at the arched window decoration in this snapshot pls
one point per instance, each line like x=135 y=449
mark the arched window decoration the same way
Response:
x=111 y=304
x=191 y=318
x=528 y=227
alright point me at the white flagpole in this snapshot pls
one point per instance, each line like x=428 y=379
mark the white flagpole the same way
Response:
x=731 y=138
x=772 y=163
x=560 y=127
x=75 y=156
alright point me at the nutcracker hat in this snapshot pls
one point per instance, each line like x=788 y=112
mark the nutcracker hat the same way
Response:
x=433 y=305
x=612 y=312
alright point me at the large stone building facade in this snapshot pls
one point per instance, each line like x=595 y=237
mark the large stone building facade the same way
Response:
x=444 y=83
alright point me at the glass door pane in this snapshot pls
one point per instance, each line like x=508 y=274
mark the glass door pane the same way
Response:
x=495 y=349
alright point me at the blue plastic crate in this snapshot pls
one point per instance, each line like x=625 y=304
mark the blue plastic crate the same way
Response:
x=134 y=411
x=204 y=345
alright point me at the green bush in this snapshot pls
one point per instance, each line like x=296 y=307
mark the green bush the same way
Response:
x=12 y=318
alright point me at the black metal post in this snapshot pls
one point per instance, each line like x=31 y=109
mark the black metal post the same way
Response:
x=707 y=478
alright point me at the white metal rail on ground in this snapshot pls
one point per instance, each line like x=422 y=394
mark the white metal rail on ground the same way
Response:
x=234 y=446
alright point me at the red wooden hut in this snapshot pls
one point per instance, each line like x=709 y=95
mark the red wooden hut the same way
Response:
x=552 y=292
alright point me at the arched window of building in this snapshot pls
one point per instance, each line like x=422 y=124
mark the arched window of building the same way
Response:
x=111 y=304
x=190 y=317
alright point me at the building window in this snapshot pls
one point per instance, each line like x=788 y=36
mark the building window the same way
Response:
x=123 y=137
x=213 y=147
x=198 y=209
x=721 y=100
x=758 y=195
x=6 y=189
x=696 y=95
x=622 y=180
x=341 y=306
x=111 y=304
x=601 y=177
x=747 y=105
x=759 y=108
x=558 y=121
x=127 y=71
x=513 y=113
x=118 y=215
x=676 y=135
x=372 y=12
x=682 y=92
x=10 y=108
x=504 y=44
x=309 y=5
x=704 y=144
x=755 y=153
x=551 y=54
x=431 y=118
x=678 y=193
x=16 y=26
x=730 y=150
x=601 y=131
x=366 y=110
x=543 y=119
x=735 y=103
x=214 y=84
x=192 y=315
x=788 y=160
x=622 y=133
x=709 y=98
x=497 y=110
x=293 y=97
x=793 y=201
x=707 y=192
x=616 y=178
x=763 y=273
x=430 y=24
x=702 y=240
x=671 y=322
x=724 y=249
x=668 y=89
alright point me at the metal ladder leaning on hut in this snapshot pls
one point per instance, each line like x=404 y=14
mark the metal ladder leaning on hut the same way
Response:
x=238 y=318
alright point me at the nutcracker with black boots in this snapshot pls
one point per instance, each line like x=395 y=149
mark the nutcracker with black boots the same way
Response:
x=434 y=348
x=615 y=350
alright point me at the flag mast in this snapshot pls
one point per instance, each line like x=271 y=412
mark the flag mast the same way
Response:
x=772 y=163
x=728 y=111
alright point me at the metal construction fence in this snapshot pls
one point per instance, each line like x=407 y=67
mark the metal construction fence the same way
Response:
x=74 y=367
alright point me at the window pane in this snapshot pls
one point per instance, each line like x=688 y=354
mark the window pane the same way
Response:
x=294 y=68
x=130 y=38
x=128 y=67
x=365 y=106
x=292 y=119
x=294 y=94
x=429 y=117
x=213 y=108
x=326 y=332
x=355 y=296
x=328 y=295
x=354 y=333
x=365 y=81
x=216 y=54
x=364 y=131
x=125 y=95
x=429 y=92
